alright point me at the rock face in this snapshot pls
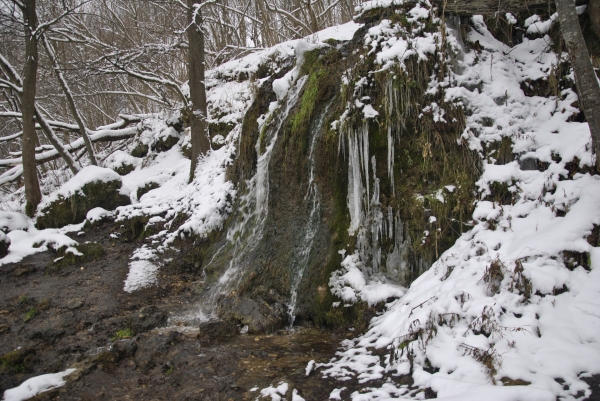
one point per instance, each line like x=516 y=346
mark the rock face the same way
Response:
x=321 y=176
x=92 y=187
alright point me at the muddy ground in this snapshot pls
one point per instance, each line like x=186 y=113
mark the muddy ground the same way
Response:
x=53 y=318
x=125 y=346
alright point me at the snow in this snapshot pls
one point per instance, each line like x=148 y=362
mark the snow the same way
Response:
x=350 y=284
x=36 y=385
x=28 y=240
x=534 y=24
x=11 y=221
x=120 y=159
x=98 y=214
x=540 y=336
x=275 y=393
x=369 y=111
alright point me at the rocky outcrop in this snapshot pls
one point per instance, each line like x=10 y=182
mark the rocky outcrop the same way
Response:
x=92 y=187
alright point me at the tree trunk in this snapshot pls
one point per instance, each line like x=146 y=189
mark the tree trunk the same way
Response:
x=594 y=13
x=198 y=123
x=54 y=141
x=588 y=89
x=70 y=100
x=33 y=195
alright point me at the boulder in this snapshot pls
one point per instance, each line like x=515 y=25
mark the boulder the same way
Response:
x=217 y=329
x=147 y=319
x=258 y=316
x=122 y=162
x=90 y=188
x=165 y=139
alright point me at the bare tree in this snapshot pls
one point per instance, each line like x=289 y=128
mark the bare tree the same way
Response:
x=198 y=108
x=70 y=100
x=33 y=194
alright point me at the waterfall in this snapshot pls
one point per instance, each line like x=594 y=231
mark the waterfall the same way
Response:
x=312 y=224
x=247 y=230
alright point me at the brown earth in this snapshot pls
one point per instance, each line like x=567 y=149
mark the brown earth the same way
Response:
x=53 y=318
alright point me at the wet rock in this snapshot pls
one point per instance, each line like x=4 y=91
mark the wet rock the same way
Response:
x=48 y=335
x=6 y=382
x=24 y=270
x=259 y=318
x=110 y=354
x=74 y=304
x=147 y=318
x=4 y=328
x=153 y=350
x=217 y=329
x=92 y=187
x=126 y=348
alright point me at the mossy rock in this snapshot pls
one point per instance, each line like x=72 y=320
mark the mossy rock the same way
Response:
x=165 y=140
x=90 y=251
x=13 y=362
x=124 y=169
x=149 y=186
x=140 y=150
x=73 y=209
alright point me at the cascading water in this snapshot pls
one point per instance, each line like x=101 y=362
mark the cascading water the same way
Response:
x=247 y=230
x=313 y=197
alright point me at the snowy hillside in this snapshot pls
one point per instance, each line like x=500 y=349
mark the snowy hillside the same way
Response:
x=510 y=311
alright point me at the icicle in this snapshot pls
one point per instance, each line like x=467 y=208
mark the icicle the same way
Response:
x=355 y=188
x=365 y=155
x=390 y=140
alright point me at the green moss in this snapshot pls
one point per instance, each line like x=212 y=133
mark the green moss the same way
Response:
x=12 y=362
x=29 y=315
x=135 y=228
x=149 y=186
x=123 y=334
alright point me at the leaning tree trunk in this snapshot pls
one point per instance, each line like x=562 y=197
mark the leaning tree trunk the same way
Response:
x=70 y=101
x=585 y=76
x=198 y=123
x=33 y=195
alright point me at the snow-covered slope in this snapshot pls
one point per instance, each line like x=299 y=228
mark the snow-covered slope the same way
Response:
x=510 y=312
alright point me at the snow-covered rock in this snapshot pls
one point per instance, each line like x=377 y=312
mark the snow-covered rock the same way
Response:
x=92 y=187
x=10 y=221
x=122 y=162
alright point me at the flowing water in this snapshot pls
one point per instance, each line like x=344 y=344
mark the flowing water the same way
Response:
x=247 y=230
x=312 y=225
